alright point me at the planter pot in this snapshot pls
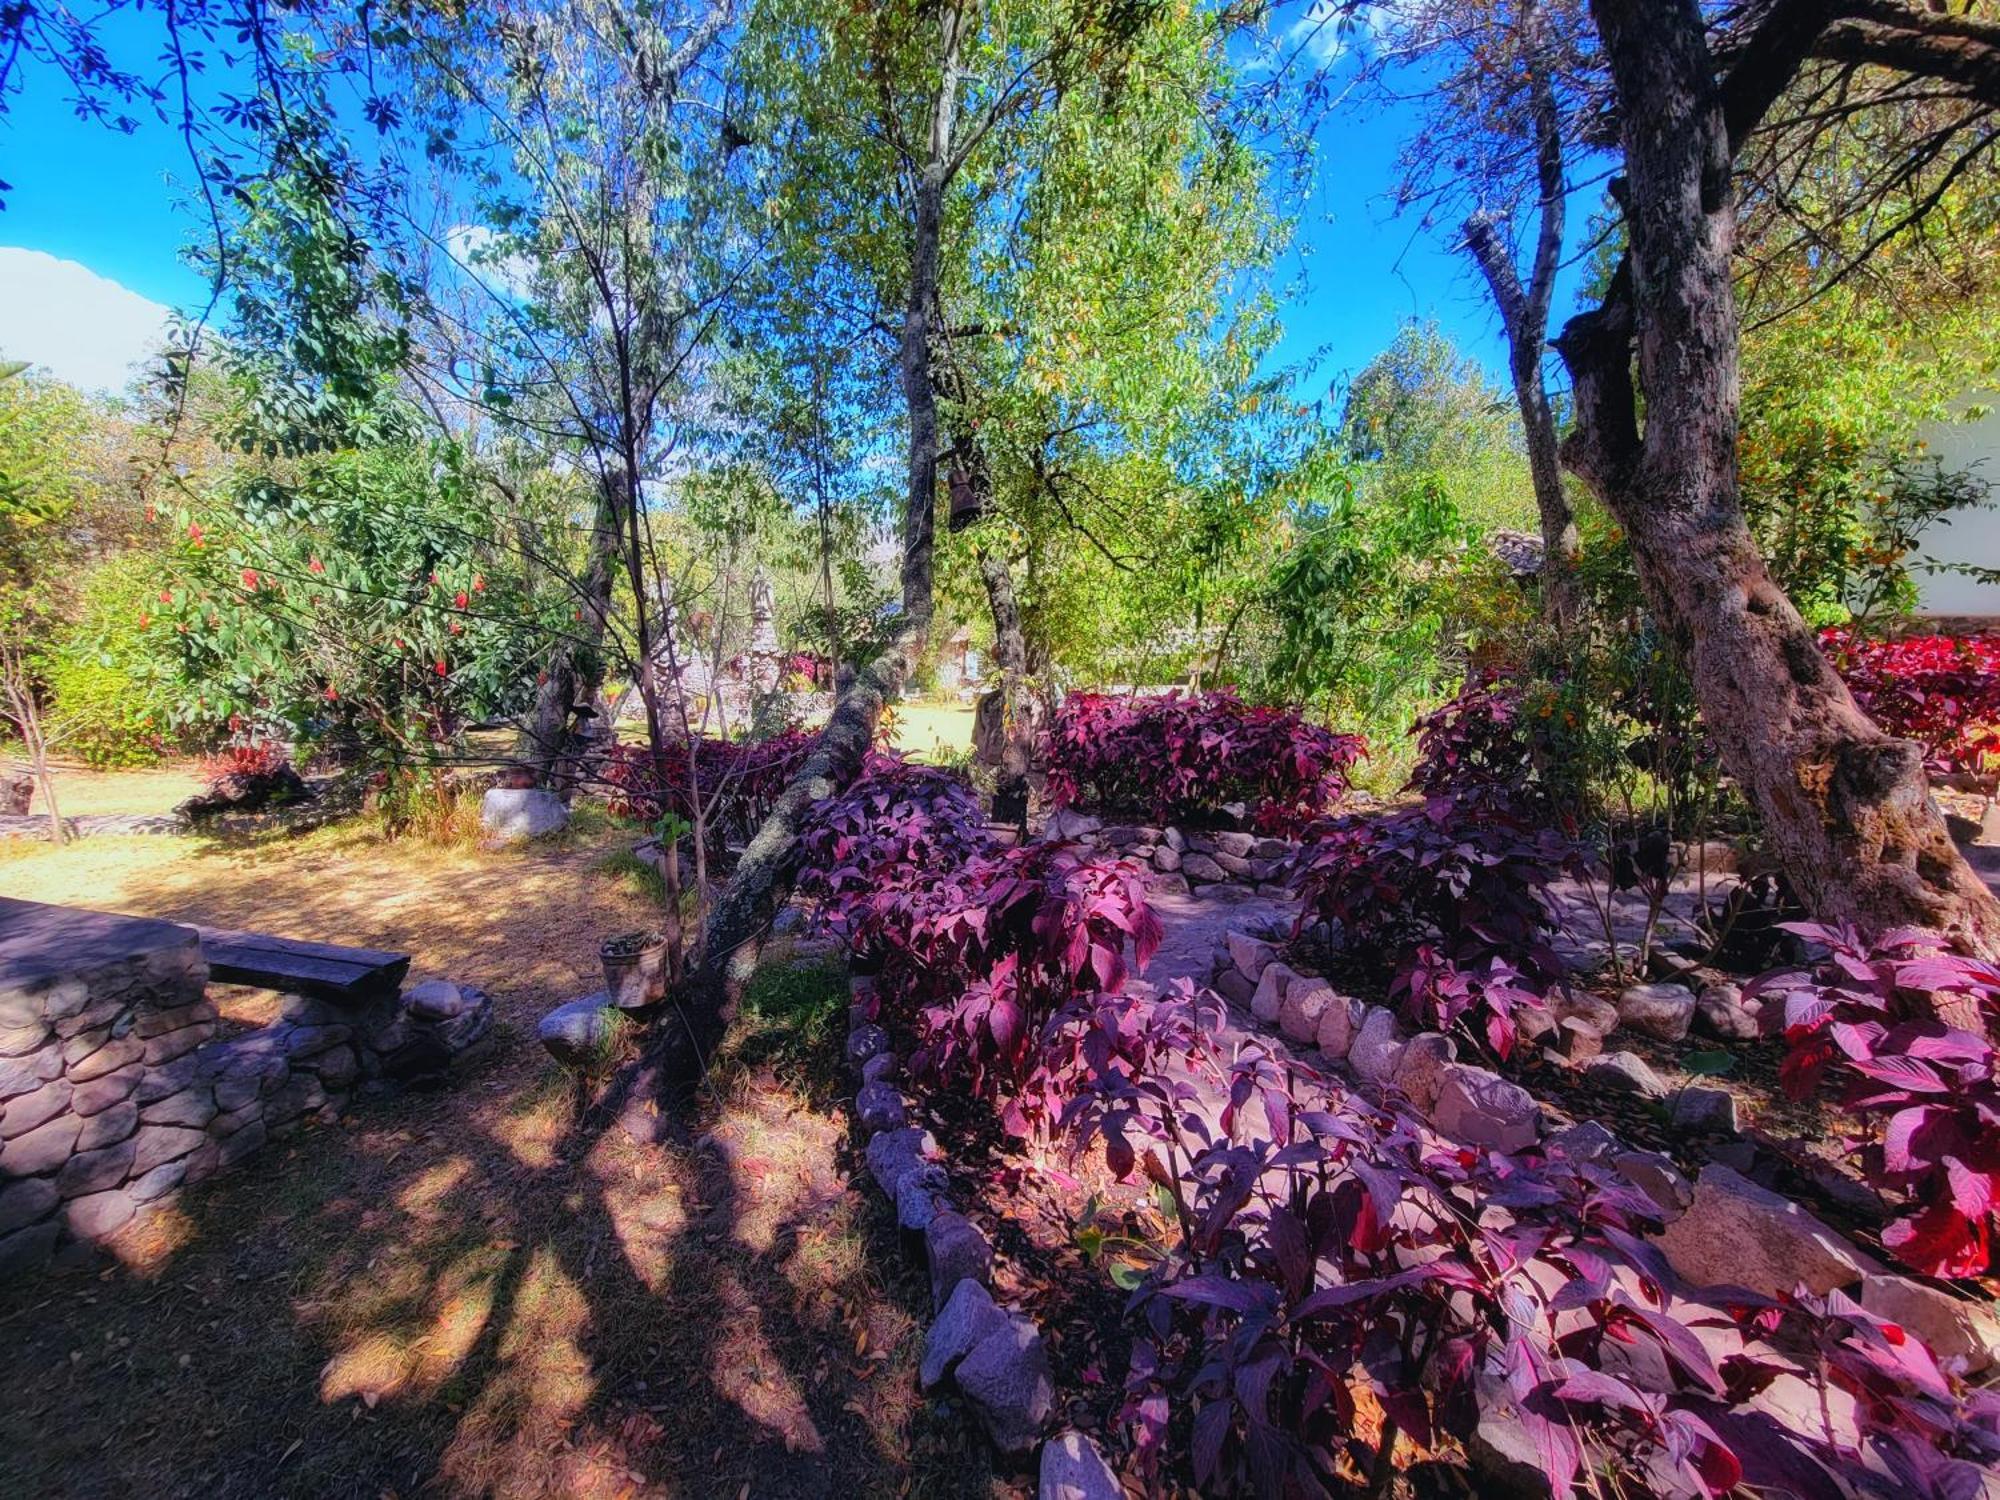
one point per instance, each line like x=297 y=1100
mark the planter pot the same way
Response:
x=634 y=977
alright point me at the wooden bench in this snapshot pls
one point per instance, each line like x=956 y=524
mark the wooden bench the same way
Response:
x=351 y=976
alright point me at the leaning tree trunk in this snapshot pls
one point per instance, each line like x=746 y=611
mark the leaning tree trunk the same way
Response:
x=575 y=667
x=1846 y=808
x=1017 y=721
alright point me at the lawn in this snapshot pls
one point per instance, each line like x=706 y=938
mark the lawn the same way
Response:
x=459 y=1292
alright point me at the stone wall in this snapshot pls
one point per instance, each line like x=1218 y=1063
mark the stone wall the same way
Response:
x=1192 y=858
x=117 y=1088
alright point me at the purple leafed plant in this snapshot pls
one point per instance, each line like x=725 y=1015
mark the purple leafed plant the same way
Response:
x=1906 y=1029
x=1181 y=759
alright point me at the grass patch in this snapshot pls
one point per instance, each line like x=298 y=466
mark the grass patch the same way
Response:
x=790 y=1020
x=635 y=875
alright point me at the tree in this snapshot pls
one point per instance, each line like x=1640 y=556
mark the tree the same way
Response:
x=1846 y=808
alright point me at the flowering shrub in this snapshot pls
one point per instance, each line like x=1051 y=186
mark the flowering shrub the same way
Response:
x=736 y=781
x=1941 y=691
x=1180 y=759
x=978 y=947
x=244 y=761
x=1927 y=1090
x=1329 y=1249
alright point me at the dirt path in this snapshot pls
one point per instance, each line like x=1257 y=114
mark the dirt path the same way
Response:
x=459 y=1293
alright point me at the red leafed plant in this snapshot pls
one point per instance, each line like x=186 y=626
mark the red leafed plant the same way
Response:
x=1905 y=1028
x=1181 y=759
x=245 y=760
x=978 y=948
x=1941 y=691
x=736 y=781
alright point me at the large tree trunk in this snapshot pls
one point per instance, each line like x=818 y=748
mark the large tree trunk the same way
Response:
x=1845 y=807
x=1016 y=712
x=575 y=668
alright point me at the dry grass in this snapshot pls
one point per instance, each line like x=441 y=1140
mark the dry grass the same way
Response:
x=931 y=731
x=463 y=1292
x=81 y=793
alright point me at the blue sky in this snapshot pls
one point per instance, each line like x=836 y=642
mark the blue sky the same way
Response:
x=105 y=201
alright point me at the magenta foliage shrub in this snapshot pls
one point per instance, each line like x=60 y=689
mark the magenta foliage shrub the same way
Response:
x=1449 y=892
x=978 y=947
x=1321 y=1240
x=1926 y=1089
x=735 y=781
x=1180 y=759
x=1941 y=691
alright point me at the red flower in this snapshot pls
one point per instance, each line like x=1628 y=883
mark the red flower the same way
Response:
x=478 y=583
x=166 y=596
x=332 y=696
x=194 y=533
x=440 y=668
x=144 y=619
x=250 y=579
x=152 y=513
x=315 y=566
x=461 y=598
x=456 y=628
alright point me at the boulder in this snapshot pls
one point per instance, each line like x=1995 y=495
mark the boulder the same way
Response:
x=1233 y=987
x=1600 y=1015
x=1377 y=1047
x=1736 y=1233
x=1420 y=1071
x=879 y=1107
x=1337 y=1025
x=26 y=1111
x=1625 y=1073
x=1174 y=839
x=864 y=1042
x=1166 y=859
x=1578 y=1040
x=968 y=1317
x=1584 y=1141
x=1250 y=955
x=42 y=1149
x=895 y=1153
x=582 y=1034
x=1719 y=1012
x=918 y=1196
x=1657 y=1010
x=440 y=1000
x=1306 y=1000
x=957 y=1251
x=509 y=814
x=156 y=1184
x=1006 y=1380
x=1705 y=1111
x=1074 y=1468
x=1658 y=1178
x=879 y=1069
x=96 y=1215
x=1269 y=998
x=100 y=1094
x=1067 y=823
x=108 y=1127
x=94 y=1171
x=1202 y=868
x=157 y=1144
x=27 y=1201
x=1484 y=1109
x=1956 y=1328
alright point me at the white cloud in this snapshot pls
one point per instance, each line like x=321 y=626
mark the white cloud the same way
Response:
x=79 y=326
x=1318 y=34
x=496 y=267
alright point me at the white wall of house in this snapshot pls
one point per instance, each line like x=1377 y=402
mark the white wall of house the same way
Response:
x=1972 y=536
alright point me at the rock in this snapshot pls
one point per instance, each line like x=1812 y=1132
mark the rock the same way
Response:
x=1269 y=998
x=22 y=1075
x=1234 y=988
x=1658 y=1178
x=880 y=1107
x=1168 y=885
x=511 y=813
x=440 y=1000
x=1600 y=1015
x=1167 y=859
x=246 y=1078
x=1306 y=1000
x=1705 y=1111
x=152 y=1023
x=26 y=1111
x=191 y=1106
x=894 y=1153
x=918 y=1195
x=1584 y=1141
x=1066 y=823
x=26 y=1201
x=1006 y=1379
x=968 y=1317
x=1377 y=1047
x=1202 y=869
x=1234 y=843
x=1250 y=955
x=158 y=1083
x=1174 y=839
x=26 y=1249
x=42 y=1149
x=101 y=1093
x=336 y=1068
x=1500 y=1450
x=1337 y=1025
x=1625 y=1072
x=156 y=1184
x=864 y=1042
x=94 y=1171
x=1532 y=1023
x=1657 y=1010
x=96 y=1215
x=1421 y=1069
x=879 y=1069
x=109 y=1127
x=172 y=1044
x=582 y=1034
x=956 y=1250
x=1234 y=864
x=1484 y=1109
x=115 y=1053
x=19 y=1041
x=310 y=1041
x=1736 y=1233
x=1578 y=1040
x=1074 y=1468
x=155 y=1144
x=1956 y=1328
x=250 y=1138
x=1719 y=1012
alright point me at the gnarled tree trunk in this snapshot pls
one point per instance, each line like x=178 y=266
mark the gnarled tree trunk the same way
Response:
x=575 y=667
x=1846 y=808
